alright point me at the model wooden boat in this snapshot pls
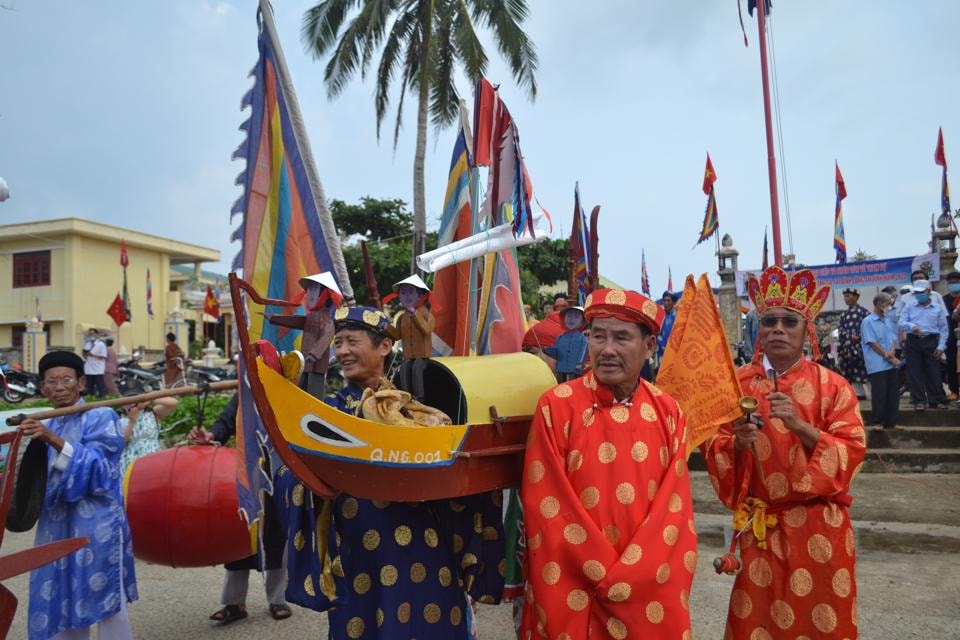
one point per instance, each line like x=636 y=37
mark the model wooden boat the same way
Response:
x=490 y=399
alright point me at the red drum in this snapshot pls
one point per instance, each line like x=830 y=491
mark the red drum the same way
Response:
x=183 y=507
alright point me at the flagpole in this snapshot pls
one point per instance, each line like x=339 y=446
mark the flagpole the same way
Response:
x=768 y=120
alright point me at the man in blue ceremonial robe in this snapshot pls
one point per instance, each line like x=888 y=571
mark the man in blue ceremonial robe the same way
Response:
x=83 y=498
x=393 y=570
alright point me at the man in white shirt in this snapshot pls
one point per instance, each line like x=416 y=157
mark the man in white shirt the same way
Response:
x=95 y=366
x=906 y=297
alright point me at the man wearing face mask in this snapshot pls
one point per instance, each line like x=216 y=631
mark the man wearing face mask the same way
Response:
x=925 y=328
x=952 y=301
x=879 y=344
x=906 y=295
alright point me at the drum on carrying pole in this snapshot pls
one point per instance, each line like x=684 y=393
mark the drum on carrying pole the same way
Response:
x=30 y=485
x=183 y=507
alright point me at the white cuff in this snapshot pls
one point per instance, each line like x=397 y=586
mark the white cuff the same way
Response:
x=63 y=458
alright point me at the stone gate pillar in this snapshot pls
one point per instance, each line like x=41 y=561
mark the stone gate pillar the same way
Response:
x=34 y=345
x=727 y=295
x=944 y=243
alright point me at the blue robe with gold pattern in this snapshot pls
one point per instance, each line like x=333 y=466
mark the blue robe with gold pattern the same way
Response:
x=392 y=570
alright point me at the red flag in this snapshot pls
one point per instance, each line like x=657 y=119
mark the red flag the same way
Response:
x=485 y=100
x=124 y=261
x=940 y=156
x=116 y=311
x=211 y=306
x=373 y=294
x=709 y=176
x=841 y=187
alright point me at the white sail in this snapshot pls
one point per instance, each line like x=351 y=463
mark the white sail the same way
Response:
x=489 y=241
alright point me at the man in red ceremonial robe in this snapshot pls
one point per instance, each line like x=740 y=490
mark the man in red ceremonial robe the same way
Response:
x=796 y=546
x=606 y=493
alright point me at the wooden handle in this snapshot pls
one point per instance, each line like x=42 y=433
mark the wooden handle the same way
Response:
x=225 y=385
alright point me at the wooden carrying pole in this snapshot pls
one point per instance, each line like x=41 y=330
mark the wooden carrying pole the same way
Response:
x=225 y=385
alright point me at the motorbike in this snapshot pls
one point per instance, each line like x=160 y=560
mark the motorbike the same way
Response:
x=133 y=379
x=18 y=384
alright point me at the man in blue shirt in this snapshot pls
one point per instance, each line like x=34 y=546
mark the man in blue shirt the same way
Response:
x=925 y=327
x=668 y=302
x=93 y=585
x=879 y=342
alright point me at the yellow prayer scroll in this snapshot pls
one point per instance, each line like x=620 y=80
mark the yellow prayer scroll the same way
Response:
x=697 y=369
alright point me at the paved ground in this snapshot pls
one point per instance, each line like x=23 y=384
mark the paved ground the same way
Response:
x=901 y=596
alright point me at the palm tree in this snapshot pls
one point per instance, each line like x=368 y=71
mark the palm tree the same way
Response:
x=427 y=39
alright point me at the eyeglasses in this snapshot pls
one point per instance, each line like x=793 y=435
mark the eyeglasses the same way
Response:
x=789 y=322
x=65 y=381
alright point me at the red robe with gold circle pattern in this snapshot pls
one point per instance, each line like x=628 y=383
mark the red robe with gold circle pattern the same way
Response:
x=803 y=584
x=606 y=496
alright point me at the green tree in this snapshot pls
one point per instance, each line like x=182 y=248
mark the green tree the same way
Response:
x=542 y=263
x=372 y=218
x=425 y=43
x=387 y=227
x=862 y=256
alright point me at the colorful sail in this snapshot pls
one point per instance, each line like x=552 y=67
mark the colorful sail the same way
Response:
x=501 y=322
x=286 y=231
x=580 y=247
x=839 y=239
x=497 y=145
x=711 y=223
x=452 y=286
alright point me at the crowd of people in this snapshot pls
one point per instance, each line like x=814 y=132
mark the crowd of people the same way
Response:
x=610 y=539
x=907 y=342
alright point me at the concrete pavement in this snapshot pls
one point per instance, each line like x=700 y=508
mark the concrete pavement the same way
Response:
x=901 y=596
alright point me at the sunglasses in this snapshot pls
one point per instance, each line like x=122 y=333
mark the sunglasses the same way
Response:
x=788 y=322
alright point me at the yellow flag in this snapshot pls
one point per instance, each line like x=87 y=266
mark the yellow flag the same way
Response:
x=697 y=369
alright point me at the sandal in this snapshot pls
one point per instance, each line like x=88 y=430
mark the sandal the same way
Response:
x=280 y=611
x=230 y=613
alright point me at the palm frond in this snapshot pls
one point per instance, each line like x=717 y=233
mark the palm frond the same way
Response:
x=321 y=23
x=444 y=100
x=375 y=14
x=389 y=61
x=469 y=49
x=411 y=76
x=345 y=59
x=504 y=16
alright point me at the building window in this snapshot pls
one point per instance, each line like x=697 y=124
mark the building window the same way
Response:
x=31 y=269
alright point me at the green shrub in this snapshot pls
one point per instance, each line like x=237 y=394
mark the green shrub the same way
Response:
x=184 y=417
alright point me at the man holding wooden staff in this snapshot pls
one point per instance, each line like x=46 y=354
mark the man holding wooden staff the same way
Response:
x=787 y=478
x=83 y=498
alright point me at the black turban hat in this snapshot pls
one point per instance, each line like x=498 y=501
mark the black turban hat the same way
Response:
x=61 y=359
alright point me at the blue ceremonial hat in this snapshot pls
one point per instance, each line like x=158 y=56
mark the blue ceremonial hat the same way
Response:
x=368 y=318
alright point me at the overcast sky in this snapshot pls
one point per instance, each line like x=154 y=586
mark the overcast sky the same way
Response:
x=127 y=113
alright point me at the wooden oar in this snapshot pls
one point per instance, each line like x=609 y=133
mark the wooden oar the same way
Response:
x=225 y=385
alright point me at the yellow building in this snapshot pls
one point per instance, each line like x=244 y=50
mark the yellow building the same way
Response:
x=69 y=270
